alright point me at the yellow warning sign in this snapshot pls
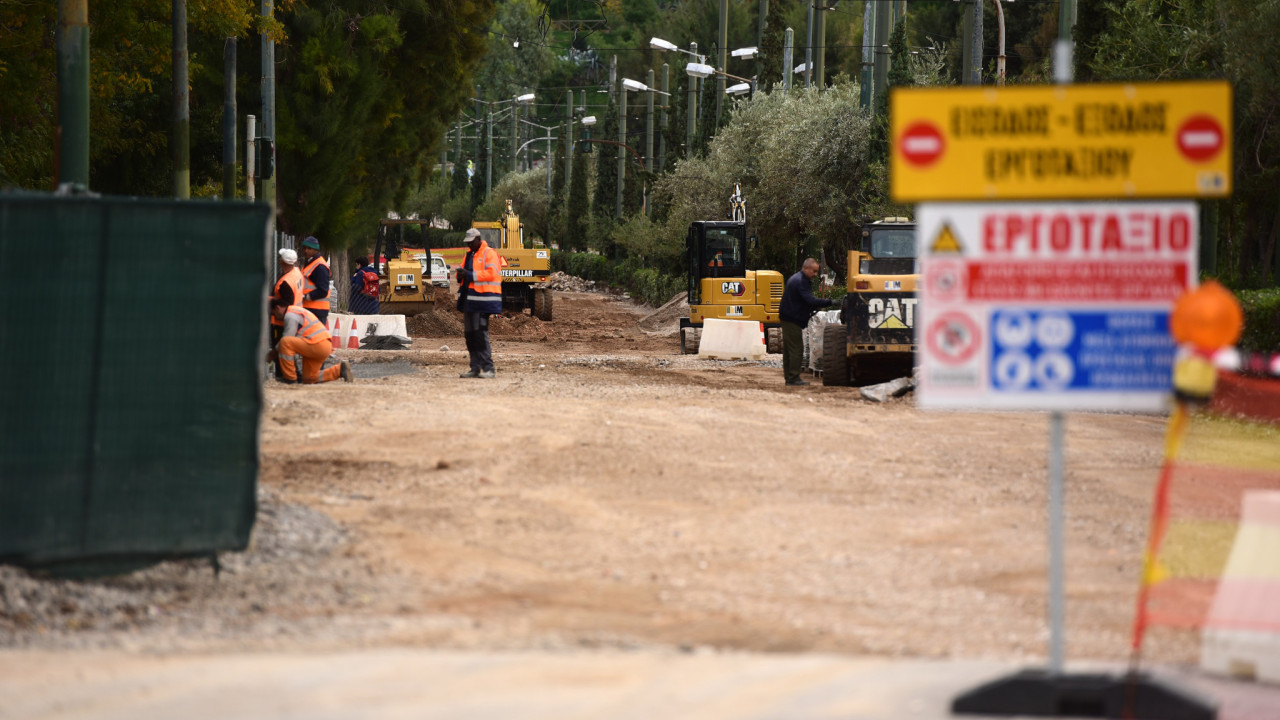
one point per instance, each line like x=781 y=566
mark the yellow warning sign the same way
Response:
x=946 y=241
x=893 y=322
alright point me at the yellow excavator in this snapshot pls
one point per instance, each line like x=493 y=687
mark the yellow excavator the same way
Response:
x=525 y=267
x=720 y=285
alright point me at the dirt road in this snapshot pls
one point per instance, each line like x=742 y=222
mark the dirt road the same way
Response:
x=605 y=491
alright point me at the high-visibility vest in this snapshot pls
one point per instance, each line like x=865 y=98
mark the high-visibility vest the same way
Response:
x=294 y=278
x=484 y=293
x=717 y=261
x=309 y=287
x=311 y=330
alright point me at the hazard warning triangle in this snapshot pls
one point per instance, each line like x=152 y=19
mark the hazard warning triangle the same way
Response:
x=946 y=242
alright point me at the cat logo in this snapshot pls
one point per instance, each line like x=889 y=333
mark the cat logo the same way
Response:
x=517 y=273
x=732 y=288
x=891 y=313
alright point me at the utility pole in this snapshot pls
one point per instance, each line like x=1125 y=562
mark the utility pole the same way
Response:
x=488 y=159
x=786 y=60
x=820 y=51
x=808 y=50
x=180 y=144
x=966 y=44
x=662 y=122
x=457 y=145
x=975 y=53
x=880 y=53
x=622 y=138
x=229 y=119
x=723 y=39
x=868 y=42
x=691 y=114
x=568 y=142
x=73 y=93
x=269 y=105
x=762 y=14
x=515 y=112
x=648 y=124
x=251 y=157
x=1063 y=48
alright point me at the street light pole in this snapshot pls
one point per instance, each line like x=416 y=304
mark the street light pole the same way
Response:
x=662 y=122
x=568 y=141
x=622 y=138
x=488 y=159
x=724 y=59
x=820 y=52
x=648 y=124
x=691 y=119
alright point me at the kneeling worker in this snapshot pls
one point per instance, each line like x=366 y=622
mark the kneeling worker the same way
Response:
x=306 y=336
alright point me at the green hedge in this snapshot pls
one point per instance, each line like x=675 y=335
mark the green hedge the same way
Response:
x=644 y=284
x=1261 y=320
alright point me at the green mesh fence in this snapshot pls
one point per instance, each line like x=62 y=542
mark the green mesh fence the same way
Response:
x=131 y=347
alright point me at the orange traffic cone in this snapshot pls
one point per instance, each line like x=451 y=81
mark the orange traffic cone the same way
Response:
x=353 y=339
x=334 y=341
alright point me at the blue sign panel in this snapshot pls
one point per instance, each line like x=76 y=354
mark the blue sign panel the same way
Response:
x=1070 y=350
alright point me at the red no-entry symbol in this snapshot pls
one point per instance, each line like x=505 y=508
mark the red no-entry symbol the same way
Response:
x=922 y=143
x=1200 y=138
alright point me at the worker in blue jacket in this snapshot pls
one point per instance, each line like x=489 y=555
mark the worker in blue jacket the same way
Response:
x=797 y=306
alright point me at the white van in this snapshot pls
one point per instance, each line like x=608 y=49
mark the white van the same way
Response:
x=438 y=270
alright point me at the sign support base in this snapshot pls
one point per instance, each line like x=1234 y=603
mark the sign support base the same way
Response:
x=1042 y=693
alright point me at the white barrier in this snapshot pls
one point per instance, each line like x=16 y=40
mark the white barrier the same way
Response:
x=348 y=330
x=731 y=340
x=1242 y=631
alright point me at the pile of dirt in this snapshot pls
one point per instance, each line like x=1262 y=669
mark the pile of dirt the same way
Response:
x=441 y=321
x=666 y=319
x=517 y=326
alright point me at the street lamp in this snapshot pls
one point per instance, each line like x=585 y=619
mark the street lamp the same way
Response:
x=738 y=89
x=660 y=44
x=488 y=164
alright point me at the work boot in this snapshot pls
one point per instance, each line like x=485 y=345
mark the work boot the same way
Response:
x=798 y=381
x=470 y=374
x=346 y=371
x=488 y=374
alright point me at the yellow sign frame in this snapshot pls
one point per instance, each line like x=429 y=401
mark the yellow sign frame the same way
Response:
x=1032 y=142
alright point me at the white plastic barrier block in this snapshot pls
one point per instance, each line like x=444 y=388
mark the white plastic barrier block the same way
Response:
x=349 y=330
x=732 y=340
x=1241 y=636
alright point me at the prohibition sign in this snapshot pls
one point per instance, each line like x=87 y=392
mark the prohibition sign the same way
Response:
x=1200 y=138
x=922 y=143
x=953 y=338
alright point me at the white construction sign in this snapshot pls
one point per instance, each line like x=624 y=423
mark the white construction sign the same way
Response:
x=1051 y=306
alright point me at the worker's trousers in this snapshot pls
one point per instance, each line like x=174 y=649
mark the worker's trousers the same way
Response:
x=792 y=351
x=313 y=357
x=475 y=328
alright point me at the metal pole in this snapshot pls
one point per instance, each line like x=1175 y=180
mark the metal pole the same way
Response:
x=568 y=142
x=808 y=50
x=662 y=118
x=549 y=162
x=762 y=14
x=229 y=119
x=515 y=110
x=788 y=38
x=880 y=53
x=975 y=53
x=1000 y=57
x=648 y=125
x=724 y=61
x=269 y=102
x=691 y=119
x=251 y=157
x=868 y=39
x=1064 y=47
x=1055 y=542
x=966 y=44
x=72 y=152
x=622 y=138
x=457 y=147
x=180 y=145
x=820 y=49
x=488 y=160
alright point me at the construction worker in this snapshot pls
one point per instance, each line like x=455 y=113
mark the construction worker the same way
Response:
x=717 y=261
x=305 y=335
x=797 y=306
x=315 y=280
x=479 y=296
x=288 y=288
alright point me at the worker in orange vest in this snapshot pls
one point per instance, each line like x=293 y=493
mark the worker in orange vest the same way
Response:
x=315 y=280
x=305 y=335
x=479 y=296
x=288 y=287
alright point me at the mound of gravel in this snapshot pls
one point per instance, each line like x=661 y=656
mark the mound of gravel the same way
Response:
x=666 y=319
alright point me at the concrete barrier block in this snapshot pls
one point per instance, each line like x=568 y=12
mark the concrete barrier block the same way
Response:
x=1241 y=636
x=732 y=340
